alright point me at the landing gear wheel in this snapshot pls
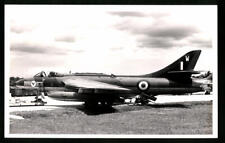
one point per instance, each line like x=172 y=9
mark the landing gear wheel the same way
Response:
x=109 y=103
x=106 y=103
x=91 y=104
x=207 y=92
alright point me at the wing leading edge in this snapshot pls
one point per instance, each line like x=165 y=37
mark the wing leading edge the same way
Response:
x=80 y=83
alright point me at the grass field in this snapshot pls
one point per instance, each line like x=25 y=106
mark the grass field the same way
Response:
x=182 y=118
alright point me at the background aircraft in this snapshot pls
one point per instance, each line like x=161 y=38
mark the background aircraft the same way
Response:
x=103 y=89
x=205 y=78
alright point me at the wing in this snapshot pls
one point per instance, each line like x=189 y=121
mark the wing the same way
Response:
x=87 y=84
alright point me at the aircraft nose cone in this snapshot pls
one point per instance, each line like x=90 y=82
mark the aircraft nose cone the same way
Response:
x=20 y=82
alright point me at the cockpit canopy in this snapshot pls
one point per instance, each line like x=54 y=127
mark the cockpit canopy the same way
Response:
x=51 y=74
x=40 y=74
x=56 y=74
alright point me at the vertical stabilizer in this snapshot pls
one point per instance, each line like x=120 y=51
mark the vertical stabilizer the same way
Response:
x=184 y=65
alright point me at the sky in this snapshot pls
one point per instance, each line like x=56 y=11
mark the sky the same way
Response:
x=116 y=39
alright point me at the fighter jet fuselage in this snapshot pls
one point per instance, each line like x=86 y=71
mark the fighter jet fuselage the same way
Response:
x=98 y=87
x=137 y=85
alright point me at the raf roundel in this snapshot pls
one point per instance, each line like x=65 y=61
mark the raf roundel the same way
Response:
x=143 y=85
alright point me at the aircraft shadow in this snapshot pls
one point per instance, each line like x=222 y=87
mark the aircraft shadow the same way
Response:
x=90 y=111
x=116 y=109
x=174 y=105
x=97 y=110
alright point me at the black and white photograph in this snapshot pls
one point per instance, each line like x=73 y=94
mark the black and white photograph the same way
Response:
x=111 y=71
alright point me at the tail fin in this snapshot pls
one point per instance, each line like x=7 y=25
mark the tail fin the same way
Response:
x=183 y=66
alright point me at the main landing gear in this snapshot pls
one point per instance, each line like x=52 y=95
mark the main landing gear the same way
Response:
x=91 y=104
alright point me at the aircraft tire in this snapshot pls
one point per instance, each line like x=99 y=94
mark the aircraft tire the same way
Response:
x=106 y=103
x=109 y=103
x=207 y=92
x=91 y=104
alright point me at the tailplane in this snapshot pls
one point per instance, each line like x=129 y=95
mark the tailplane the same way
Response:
x=183 y=67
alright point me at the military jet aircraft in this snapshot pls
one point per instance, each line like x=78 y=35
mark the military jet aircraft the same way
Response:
x=205 y=78
x=103 y=89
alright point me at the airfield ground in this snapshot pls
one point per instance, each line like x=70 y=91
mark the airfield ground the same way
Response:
x=189 y=117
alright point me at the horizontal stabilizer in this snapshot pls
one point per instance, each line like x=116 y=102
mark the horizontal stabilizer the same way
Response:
x=183 y=72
